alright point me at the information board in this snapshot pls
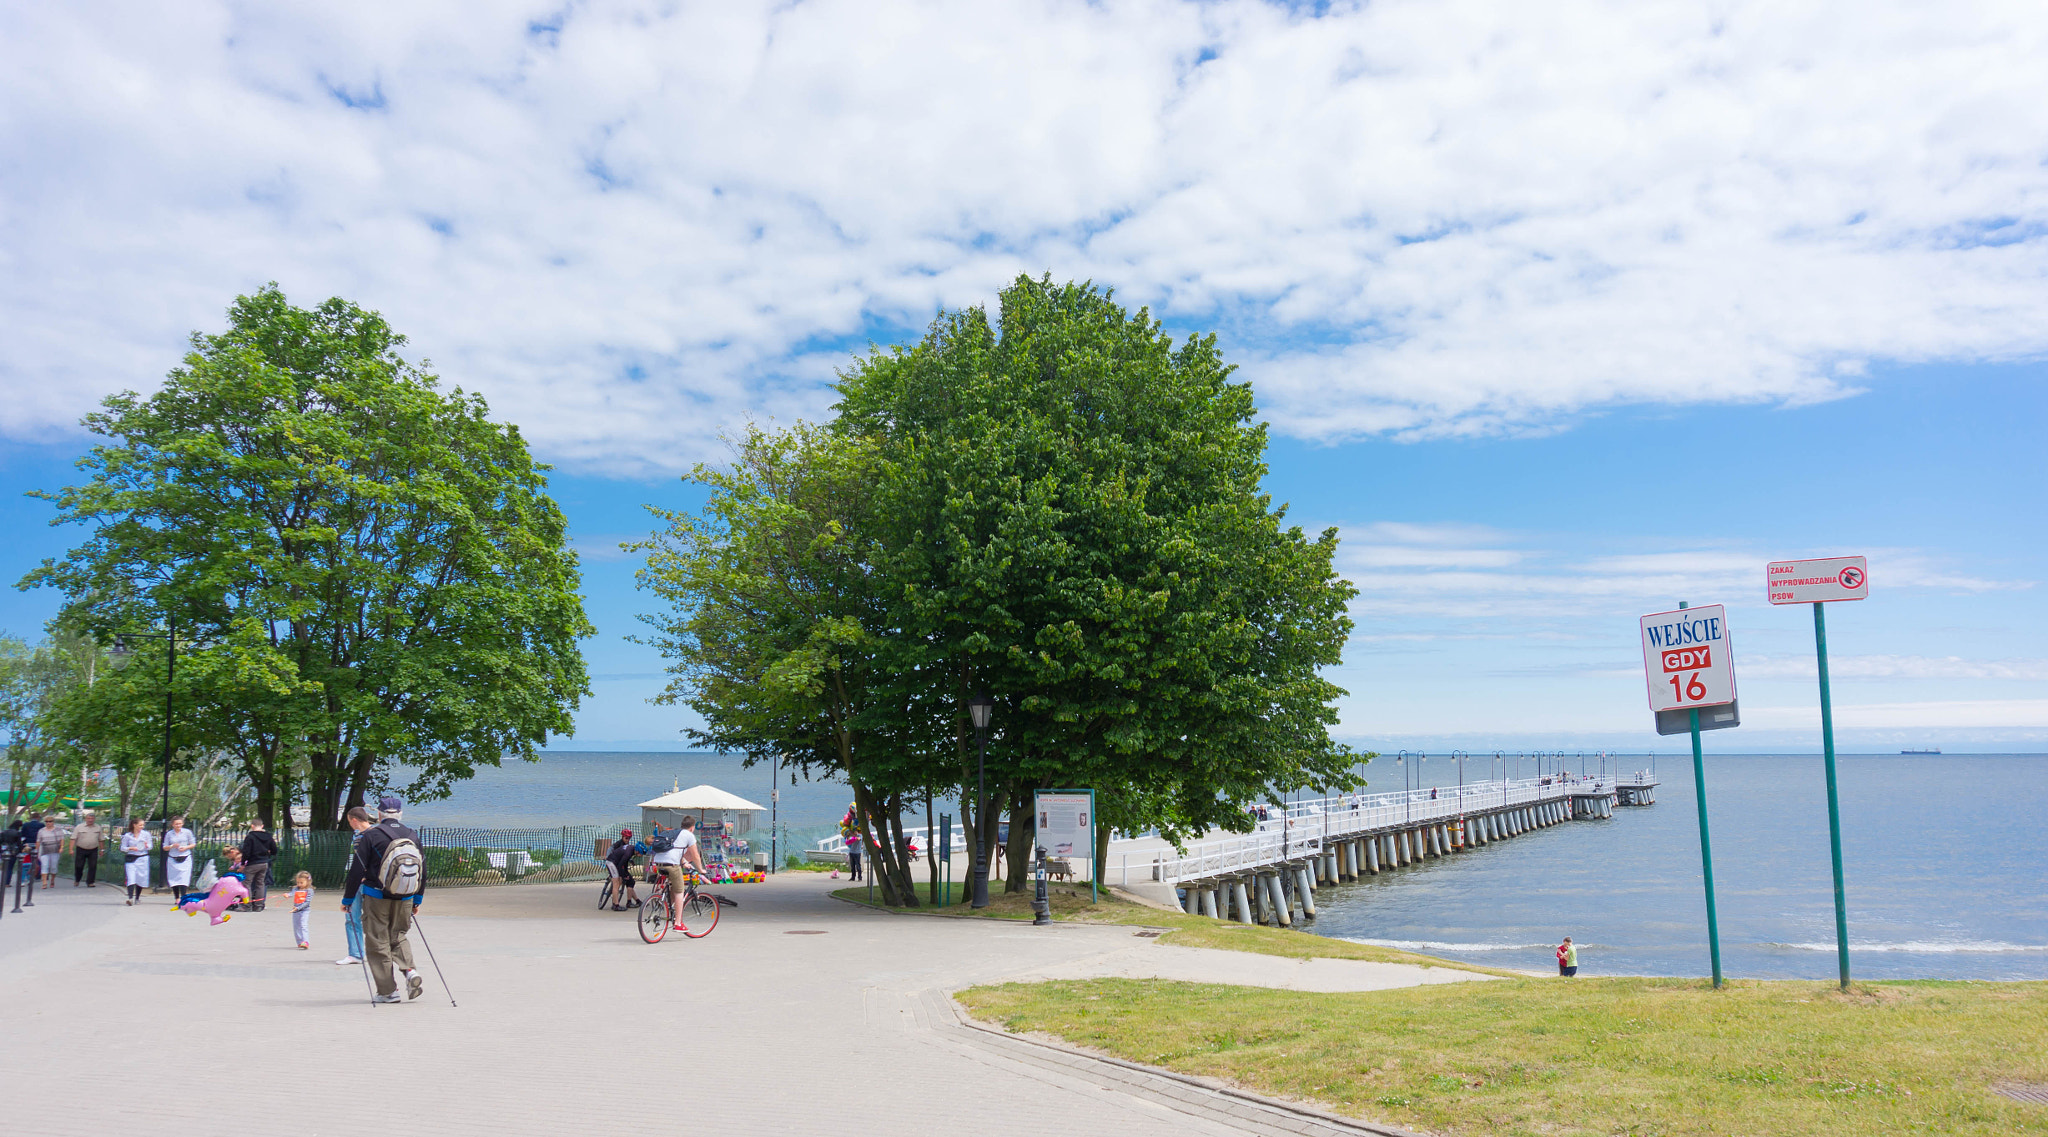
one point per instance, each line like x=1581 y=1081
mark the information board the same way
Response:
x=1066 y=825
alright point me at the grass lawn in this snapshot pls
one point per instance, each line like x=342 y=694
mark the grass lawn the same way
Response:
x=1586 y=1056
x=1071 y=903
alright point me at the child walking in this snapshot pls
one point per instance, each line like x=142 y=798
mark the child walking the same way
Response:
x=302 y=909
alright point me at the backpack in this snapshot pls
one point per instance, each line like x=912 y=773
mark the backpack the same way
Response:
x=404 y=871
x=663 y=842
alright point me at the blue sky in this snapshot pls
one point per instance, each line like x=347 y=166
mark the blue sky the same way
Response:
x=1562 y=317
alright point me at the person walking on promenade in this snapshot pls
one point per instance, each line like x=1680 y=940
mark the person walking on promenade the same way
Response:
x=302 y=909
x=358 y=820
x=49 y=847
x=849 y=828
x=135 y=847
x=257 y=850
x=85 y=852
x=178 y=845
x=1567 y=958
x=387 y=878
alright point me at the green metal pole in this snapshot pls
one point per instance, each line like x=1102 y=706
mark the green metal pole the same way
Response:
x=1699 y=782
x=1699 y=785
x=1827 y=743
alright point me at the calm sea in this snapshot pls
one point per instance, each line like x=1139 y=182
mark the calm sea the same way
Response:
x=1945 y=860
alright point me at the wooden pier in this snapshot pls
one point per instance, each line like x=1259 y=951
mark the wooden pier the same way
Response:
x=1270 y=875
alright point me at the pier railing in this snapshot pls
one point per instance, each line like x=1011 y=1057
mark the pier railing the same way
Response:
x=1303 y=828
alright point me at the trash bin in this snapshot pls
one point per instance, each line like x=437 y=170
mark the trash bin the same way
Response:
x=760 y=862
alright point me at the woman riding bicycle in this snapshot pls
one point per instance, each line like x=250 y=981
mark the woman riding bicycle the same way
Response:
x=678 y=860
x=619 y=863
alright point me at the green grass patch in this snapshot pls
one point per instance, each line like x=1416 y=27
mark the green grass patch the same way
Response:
x=1071 y=903
x=1586 y=1056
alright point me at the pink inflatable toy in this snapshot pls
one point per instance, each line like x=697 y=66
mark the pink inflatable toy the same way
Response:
x=225 y=892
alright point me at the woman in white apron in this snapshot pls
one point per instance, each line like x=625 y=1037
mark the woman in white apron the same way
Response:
x=178 y=845
x=135 y=847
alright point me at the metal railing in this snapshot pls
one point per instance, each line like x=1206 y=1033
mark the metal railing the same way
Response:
x=1303 y=828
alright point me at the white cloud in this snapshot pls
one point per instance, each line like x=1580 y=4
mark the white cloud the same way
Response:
x=1960 y=714
x=633 y=224
x=1893 y=667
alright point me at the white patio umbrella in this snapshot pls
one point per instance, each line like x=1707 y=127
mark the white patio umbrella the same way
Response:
x=698 y=800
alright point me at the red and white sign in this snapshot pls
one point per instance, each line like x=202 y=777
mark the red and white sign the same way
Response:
x=1817 y=581
x=1686 y=658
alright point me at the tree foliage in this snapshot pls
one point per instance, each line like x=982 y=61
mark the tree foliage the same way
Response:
x=1060 y=507
x=361 y=569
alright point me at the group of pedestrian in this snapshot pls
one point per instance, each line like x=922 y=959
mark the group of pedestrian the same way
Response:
x=383 y=888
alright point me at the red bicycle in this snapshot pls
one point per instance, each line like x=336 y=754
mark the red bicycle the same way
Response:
x=699 y=908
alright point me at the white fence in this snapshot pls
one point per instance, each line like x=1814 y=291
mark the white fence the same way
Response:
x=1305 y=827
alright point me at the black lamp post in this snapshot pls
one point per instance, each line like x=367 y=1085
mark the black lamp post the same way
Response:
x=980 y=709
x=121 y=655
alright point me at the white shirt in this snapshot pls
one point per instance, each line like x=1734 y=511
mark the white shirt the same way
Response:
x=179 y=842
x=141 y=842
x=684 y=839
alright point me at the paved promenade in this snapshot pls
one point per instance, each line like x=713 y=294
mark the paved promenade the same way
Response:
x=138 y=1018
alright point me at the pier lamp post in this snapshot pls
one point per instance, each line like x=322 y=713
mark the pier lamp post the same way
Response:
x=1407 y=807
x=980 y=709
x=122 y=655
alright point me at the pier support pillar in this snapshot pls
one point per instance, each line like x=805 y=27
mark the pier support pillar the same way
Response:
x=1276 y=899
x=1308 y=897
x=1240 y=904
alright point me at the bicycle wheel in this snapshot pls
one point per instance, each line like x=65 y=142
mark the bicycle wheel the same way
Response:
x=701 y=915
x=604 y=898
x=654 y=918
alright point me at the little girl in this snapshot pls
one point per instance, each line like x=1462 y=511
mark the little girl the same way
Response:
x=302 y=909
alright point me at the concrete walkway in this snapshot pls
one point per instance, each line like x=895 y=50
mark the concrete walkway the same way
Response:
x=568 y=1023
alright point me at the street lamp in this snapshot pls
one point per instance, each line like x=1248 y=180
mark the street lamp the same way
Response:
x=980 y=709
x=122 y=655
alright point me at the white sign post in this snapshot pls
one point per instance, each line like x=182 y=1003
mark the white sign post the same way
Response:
x=1818 y=581
x=1689 y=665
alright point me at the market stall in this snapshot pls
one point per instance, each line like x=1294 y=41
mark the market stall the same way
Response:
x=723 y=820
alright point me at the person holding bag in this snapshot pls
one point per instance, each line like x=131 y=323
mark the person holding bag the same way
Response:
x=85 y=852
x=135 y=847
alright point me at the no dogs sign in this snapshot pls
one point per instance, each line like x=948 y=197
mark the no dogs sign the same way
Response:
x=1687 y=659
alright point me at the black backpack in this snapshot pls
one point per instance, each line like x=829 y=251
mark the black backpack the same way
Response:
x=662 y=842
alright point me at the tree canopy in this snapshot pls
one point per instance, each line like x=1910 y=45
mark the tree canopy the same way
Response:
x=1060 y=507
x=361 y=569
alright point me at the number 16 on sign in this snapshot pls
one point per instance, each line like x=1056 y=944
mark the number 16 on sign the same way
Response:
x=1687 y=660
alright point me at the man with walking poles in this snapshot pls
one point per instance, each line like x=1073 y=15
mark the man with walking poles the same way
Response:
x=387 y=876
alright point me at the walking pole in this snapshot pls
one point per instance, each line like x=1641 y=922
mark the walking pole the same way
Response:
x=364 y=959
x=430 y=957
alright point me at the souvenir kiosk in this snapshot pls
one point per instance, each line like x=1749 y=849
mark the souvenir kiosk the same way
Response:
x=723 y=822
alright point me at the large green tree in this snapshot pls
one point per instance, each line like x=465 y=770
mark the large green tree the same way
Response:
x=361 y=568
x=1060 y=507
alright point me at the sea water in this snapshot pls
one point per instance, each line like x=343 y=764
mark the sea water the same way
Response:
x=1945 y=862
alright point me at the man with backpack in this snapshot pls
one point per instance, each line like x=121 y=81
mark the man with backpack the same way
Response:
x=387 y=875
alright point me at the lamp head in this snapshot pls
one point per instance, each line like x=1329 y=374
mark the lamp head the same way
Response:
x=121 y=653
x=981 y=709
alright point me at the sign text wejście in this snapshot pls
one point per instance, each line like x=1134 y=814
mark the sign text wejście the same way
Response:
x=1686 y=658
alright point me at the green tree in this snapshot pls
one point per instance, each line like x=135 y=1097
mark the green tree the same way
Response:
x=362 y=569
x=1061 y=508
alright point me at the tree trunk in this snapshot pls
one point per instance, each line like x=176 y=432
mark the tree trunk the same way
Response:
x=1022 y=824
x=1102 y=831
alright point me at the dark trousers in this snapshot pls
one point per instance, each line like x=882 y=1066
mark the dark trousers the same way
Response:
x=85 y=866
x=259 y=883
x=853 y=860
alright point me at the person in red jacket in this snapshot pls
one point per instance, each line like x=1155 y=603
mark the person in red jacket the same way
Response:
x=1567 y=958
